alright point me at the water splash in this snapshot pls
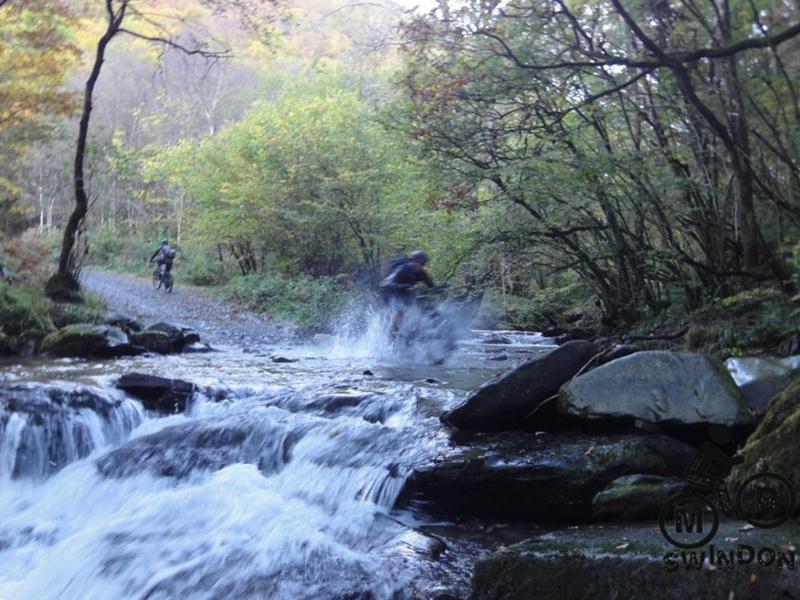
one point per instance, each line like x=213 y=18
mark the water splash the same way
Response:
x=44 y=428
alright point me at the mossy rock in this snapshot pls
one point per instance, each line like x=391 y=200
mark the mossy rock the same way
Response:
x=775 y=444
x=635 y=497
x=153 y=341
x=80 y=340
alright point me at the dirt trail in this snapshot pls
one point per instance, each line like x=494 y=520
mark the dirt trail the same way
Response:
x=216 y=321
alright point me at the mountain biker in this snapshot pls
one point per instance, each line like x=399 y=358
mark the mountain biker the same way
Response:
x=397 y=288
x=166 y=254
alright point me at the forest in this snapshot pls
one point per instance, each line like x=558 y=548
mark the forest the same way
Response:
x=399 y=299
x=586 y=165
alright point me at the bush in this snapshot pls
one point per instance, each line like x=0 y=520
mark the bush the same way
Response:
x=309 y=302
x=203 y=268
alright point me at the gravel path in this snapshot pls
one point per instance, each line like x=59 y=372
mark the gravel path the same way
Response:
x=216 y=321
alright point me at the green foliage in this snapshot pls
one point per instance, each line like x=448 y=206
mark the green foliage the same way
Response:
x=91 y=310
x=24 y=310
x=302 y=300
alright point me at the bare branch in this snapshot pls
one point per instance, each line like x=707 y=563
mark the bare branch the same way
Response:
x=177 y=46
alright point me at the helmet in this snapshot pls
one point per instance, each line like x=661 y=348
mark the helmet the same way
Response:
x=418 y=256
x=164 y=241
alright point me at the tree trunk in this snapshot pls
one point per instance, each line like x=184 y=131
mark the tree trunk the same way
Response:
x=65 y=280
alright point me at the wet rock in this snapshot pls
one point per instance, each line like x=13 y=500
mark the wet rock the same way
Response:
x=590 y=564
x=158 y=393
x=179 y=336
x=616 y=351
x=197 y=348
x=152 y=341
x=635 y=497
x=203 y=445
x=495 y=339
x=84 y=340
x=43 y=427
x=761 y=379
x=524 y=477
x=504 y=403
x=775 y=444
x=498 y=357
x=283 y=359
x=126 y=323
x=432 y=380
x=368 y=373
x=678 y=389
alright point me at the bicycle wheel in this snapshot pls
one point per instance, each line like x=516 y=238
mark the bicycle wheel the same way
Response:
x=766 y=500
x=687 y=511
x=156 y=280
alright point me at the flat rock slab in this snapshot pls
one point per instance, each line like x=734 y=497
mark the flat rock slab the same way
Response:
x=634 y=561
x=537 y=478
x=678 y=388
x=635 y=497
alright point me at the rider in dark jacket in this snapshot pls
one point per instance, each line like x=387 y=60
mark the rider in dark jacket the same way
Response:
x=167 y=255
x=405 y=275
x=397 y=287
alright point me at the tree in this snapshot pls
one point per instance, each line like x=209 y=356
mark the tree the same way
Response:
x=64 y=283
x=633 y=138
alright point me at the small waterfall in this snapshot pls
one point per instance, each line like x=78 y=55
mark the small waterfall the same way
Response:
x=44 y=428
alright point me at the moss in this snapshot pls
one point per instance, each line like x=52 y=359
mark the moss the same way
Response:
x=24 y=310
x=91 y=310
x=775 y=444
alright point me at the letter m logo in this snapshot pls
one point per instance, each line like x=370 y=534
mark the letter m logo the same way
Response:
x=688 y=518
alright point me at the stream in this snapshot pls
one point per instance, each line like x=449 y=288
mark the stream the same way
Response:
x=280 y=481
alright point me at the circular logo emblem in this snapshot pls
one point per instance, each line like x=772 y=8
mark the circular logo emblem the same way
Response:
x=766 y=500
x=688 y=520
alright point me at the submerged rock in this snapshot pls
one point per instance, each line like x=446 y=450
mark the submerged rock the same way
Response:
x=504 y=403
x=537 y=478
x=203 y=445
x=158 y=393
x=44 y=427
x=761 y=379
x=635 y=497
x=283 y=359
x=674 y=388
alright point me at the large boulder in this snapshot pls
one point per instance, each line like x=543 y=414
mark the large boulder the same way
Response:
x=536 y=478
x=635 y=497
x=504 y=403
x=761 y=379
x=775 y=444
x=158 y=393
x=84 y=340
x=674 y=389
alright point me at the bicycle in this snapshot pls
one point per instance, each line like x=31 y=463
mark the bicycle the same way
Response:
x=162 y=277
x=765 y=500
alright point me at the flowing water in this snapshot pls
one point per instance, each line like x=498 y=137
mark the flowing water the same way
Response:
x=278 y=482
